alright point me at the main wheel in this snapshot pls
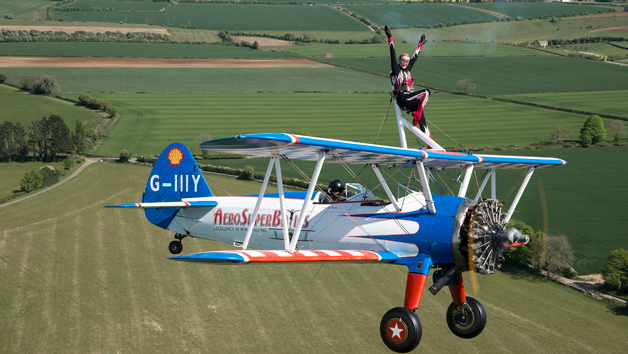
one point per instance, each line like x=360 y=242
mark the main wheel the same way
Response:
x=401 y=330
x=175 y=247
x=467 y=320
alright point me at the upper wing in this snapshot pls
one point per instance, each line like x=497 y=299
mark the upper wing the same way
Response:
x=308 y=148
x=243 y=257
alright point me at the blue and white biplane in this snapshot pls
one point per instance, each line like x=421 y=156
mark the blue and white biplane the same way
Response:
x=419 y=229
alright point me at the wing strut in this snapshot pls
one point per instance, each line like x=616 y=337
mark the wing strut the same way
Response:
x=402 y=122
x=465 y=182
x=253 y=218
x=308 y=201
x=526 y=179
x=378 y=173
x=282 y=205
x=425 y=183
x=488 y=175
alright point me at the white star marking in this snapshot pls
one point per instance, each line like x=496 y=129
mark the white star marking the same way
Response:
x=396 y=331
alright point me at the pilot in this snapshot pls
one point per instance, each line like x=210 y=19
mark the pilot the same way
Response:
x=405 y=95
x=334 y=191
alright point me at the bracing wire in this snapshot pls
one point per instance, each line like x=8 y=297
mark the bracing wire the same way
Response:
x=447 y=135
x=384 y=120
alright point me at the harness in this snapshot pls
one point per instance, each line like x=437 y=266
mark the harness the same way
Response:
x=403 y=88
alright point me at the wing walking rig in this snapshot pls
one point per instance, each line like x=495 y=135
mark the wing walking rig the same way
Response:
x=420 y=230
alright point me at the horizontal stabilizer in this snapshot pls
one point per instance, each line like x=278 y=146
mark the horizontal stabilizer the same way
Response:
x=166 y=205
x=242 y=257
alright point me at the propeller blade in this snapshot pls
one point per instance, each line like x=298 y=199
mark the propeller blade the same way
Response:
x=475 y=285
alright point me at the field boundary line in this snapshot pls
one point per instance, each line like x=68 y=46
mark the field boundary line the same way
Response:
x=488 y=12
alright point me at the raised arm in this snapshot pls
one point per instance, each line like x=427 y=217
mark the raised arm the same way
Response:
x=416 y=53
x=393 y=56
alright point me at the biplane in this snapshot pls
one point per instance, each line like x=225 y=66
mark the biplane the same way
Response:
x=417 y=229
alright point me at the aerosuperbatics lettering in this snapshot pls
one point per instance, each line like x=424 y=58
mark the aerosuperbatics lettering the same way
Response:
x=244 y=218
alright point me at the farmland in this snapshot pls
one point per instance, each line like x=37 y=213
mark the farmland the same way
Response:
x=76 y=288
x=537 y=9
x=606 y=102
x=23 y=107
x=471 y=121
x=224 y=17
x=416 y=14
x=136 y=50
x=24 y=9
x=507 y=75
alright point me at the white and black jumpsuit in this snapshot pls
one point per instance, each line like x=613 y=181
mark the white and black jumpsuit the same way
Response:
x=406 y=97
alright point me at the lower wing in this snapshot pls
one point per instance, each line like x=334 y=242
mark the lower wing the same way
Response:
x=244 y=257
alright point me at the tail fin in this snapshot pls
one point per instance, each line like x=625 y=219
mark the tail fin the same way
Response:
x=175 y=176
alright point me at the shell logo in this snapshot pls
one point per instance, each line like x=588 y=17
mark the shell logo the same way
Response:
x=175 y=156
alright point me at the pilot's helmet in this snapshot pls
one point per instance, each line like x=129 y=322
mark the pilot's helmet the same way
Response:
x=336 y=185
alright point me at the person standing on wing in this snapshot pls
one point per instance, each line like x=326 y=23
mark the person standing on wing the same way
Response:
x=404 y=93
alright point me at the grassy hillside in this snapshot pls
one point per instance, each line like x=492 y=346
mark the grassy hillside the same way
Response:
x=319 y=78
x=82 y=278
x=24 y=9
x=471 y=121
x=507 y=75
x=24 y=107
x=12 y=172
x=537 y=9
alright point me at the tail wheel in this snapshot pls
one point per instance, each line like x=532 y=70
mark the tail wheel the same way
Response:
x=175 y=247
x=401 y=330
x=467 y=320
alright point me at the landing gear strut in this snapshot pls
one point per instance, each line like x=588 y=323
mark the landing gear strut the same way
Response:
x=176 y=246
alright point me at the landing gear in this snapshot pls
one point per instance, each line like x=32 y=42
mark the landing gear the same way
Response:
x=466 y=320
x=176 y=246
x=401 y=330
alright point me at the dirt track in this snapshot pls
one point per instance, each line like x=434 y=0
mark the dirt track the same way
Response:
x=613 y=29
x=263 y=41
x=29 y=62
x=608 y=14
x=72 y=29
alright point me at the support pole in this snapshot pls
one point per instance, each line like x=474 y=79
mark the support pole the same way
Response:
x=524 y=184
x=494 y=185
x=488 y=175
x=457 y=292
x=282 y=205
x=253 y=218
x=402 y=133
x=378 y=173
x=425 y=183
x=307 y=202
x=415 y=285
x=465 y=182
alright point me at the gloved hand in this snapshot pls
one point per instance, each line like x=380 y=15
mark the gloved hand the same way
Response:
x=423 y=40
x=388 y=34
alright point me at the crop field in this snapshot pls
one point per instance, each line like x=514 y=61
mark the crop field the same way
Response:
x=82 y=278
x=225 y=17
x=12 y=172
x=416 y=14
x=137 y=50
x=607 y=102
x=507 y=75
x=320 y=79
x=23 y=107
x=536 y=9
x=24 y=9
x=166 y=118
x=429 y=50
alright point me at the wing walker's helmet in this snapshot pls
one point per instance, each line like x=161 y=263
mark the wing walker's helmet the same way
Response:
x=336 y=185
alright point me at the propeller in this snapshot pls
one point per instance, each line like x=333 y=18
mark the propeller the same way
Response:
x=539 y=183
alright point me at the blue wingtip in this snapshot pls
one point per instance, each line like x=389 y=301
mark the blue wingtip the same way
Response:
x=132 y=205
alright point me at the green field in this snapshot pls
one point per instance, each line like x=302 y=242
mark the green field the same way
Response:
x=605 y=102
x=223 y=17
x=136 y=50
x=430 y=49
x=507 y=75
x=536 y=9
x=12 y=172
x=24 y=107
x=234 y=80
x=81 y=278
x=24 y=9
x=416 y=14
x=471 y=121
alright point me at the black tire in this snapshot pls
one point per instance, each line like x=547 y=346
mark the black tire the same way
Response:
x=175 y=247
x=405 y=320
x=465 y=323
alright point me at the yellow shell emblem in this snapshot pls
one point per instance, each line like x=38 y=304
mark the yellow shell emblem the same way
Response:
x=175 y=156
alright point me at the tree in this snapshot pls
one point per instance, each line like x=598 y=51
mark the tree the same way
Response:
x=60 y=139
x=465 y=85
x=78 y=137
x=553 y=253
x=50 y=174
x=111 y=111
x=45 y=85
x=255 y=45
x=594 y=129
x=559 y=132
x=617 y=128
x=523 y=254
x=124 y=155
x=27 y=82
x=3 y=77
x=31 y=181
x=84 y=99
x=615 y=270
x=12 y=142
x=247 y=174
x=38 y=138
